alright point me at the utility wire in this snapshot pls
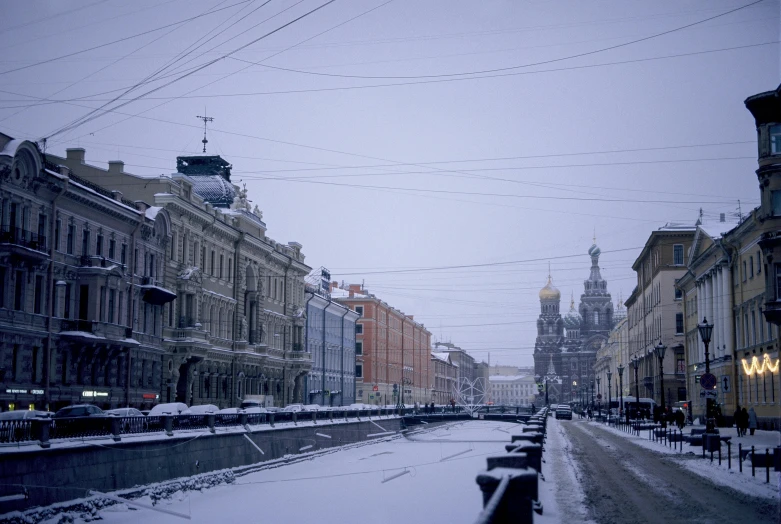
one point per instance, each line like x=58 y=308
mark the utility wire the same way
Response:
x=49 y=60
x=532 y=64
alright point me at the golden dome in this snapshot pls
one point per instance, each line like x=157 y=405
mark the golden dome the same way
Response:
x=549 y=292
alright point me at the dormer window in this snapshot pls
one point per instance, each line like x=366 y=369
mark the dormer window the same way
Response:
x=775 y=139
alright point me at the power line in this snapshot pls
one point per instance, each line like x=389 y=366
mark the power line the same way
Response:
x=49 y=60
x=543 y=62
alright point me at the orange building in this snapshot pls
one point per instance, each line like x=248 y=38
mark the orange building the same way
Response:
x=392 y=350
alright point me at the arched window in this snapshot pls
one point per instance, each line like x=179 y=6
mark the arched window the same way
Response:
x=596 y=318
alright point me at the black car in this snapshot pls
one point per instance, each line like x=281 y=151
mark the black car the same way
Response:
x=564 y=412
x=80 y=420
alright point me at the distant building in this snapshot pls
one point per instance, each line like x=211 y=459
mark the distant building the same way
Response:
x=330 y=339
x=445 y=373
x=507 y=371
x=517 y=390
x=463 y=360
x=393 y=351
x=655 y=313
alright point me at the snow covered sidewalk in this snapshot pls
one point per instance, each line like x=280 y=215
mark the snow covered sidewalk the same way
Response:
x=691 y=459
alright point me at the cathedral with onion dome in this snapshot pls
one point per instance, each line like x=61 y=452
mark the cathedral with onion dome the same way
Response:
x=566 y=347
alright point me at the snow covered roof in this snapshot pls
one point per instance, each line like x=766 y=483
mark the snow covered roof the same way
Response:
x=11 y=147
x=510 y=378
x=151 y=212
x=716 y=228
x=445 y=357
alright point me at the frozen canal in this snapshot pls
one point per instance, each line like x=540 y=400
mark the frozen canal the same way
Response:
x=346 y=485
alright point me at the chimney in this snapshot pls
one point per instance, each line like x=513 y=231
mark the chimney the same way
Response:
x=116 y=166
x=722 y=217
x=75 y=153
x=117 y=195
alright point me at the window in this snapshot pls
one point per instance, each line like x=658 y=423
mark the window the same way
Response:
x=173 y=246
x=744 y=271
x=111 y=297
x=775 y=197
x=679 y=323
x=67 y=312
x=85 y=242
x=56 y=238
x=112 y=249
x=358 y=371
x=230 y=270
x=596 y=318
x=759 y=262
x=19 y=291
x=99 y=245
x=775 y=139
x=359 y=348
x=750 y=267
x=211 y=263
x=678 y=292
x=359 y=329
x=124 y=254
x=359 y=310
x=69 y=241
x=2 y=287
x=678 y=254
x=753 y=327
x=38 y=302
x=680 y=365
x=222 y=264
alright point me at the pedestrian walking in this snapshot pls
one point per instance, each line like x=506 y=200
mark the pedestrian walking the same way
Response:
x=752 y=420
x=743 y=421
x=737 y=416
x=680 y=419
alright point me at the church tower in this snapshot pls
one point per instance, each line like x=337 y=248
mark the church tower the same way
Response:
x=550 y=330
x=596 y=305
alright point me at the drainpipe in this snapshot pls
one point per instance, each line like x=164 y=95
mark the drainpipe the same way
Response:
x=47 y=373
x=306 y=333
x=131 y=290
x=341 y=359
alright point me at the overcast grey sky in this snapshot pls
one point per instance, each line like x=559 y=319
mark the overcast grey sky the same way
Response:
x=372 y=146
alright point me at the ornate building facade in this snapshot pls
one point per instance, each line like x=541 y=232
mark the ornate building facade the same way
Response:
x=565 y=348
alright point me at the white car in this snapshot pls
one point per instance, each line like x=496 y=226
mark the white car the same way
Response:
x=202 y=409
x=293 y=408
x=312 y=407
x=24 y=414
x=124 y=412
x=173 y=408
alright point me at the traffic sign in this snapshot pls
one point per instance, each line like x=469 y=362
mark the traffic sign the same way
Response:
x=376 y=388
x=708 y=393
x=599 y=396
x=708 y=381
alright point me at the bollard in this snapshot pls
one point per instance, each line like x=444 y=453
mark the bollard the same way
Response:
x=41 y=429
x=115 y=428
x=753 y=469
x=295 y=417
x=314 y=417
x=729 y=455
x=516 y=503
x=210 y=419
x=508 y=460
x=168 y=424
x=271 y=419
x=330 y=416
x=767 y=465
x=719 y=455
x=740 y=456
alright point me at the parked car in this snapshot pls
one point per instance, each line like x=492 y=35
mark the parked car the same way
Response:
x=25 y=414
x=564 y=412
x=80 y=420
x=172 y=408
x=312 y=407
x=133 y=420
x=293 y=408
x=203 y=409
x=79 y=410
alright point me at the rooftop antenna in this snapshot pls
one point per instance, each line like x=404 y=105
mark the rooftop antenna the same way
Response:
x=205 y=119
x=740 y=212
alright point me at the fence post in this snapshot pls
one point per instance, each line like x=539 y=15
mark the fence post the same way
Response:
x=271 y=419
x=767 y=466
x=753 y=468
x=719 y=453
x=729 y=455
x=115 y=425
x=168 y=424
x=243 y=419
x=210 y=420
x=41 y=429
x=740 y=456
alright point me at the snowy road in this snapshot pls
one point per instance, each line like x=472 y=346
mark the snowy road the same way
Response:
x=626 y=483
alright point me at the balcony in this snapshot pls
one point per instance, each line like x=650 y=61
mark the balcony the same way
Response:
x=772 y=311
x=155 y=293
x=93 y=331
x=298 y=346
x=23 y=243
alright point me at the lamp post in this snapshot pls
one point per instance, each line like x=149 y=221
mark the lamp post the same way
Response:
x=592 y=395
x=659 y=349
x=636 y=364
x=706 y=330
x=609 y=391
x=599 y=402
x=620 y=369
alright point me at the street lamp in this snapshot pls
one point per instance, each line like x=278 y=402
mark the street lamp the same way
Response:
x=636 y=364
x=599 y=402
x=659 y=349
x=620 y=369
x=609 y=391
x=706 y=330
